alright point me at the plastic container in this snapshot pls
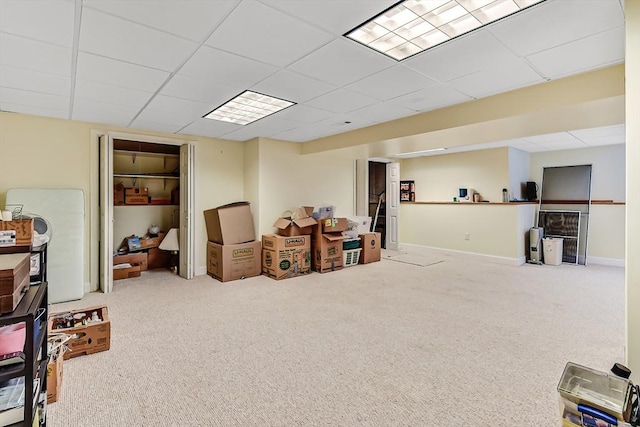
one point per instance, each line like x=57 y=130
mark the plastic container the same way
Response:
x=350 y=257
x=12 y=338
x=608 y=393
x=552 y=248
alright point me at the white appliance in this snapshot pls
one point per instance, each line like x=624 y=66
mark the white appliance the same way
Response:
x=535 y=245
x=465 y=194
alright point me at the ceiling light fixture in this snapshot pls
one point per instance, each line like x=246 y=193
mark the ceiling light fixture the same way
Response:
x=247 y=108
x=413 y=26
x=417 y=153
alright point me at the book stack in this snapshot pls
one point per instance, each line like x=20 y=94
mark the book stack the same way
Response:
x=11 y=401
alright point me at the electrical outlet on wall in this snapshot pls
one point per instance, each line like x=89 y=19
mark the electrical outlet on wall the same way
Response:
x=467 y=236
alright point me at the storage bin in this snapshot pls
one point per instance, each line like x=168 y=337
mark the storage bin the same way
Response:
x=350 y=257
x=12 y=338
x=552 y=247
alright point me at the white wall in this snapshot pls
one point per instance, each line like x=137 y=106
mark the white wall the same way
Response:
x=607 y=173
x=606 y=240
x=518 y=172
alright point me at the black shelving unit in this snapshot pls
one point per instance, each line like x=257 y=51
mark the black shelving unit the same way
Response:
x=33 y=304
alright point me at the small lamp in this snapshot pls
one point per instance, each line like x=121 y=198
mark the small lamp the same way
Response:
x=171 y=243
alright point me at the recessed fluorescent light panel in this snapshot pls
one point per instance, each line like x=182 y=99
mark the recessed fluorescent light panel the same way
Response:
x=247 y=108
x=413 y=26
x=420 y=153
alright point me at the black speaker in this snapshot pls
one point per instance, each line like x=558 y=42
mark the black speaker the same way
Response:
x=531 y=191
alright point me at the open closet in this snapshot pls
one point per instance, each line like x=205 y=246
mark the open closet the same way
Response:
x=146 y=188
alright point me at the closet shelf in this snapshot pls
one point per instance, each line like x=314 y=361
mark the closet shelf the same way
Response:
x=128 y=175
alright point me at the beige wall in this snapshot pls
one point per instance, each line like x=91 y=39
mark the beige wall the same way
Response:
x=288 y=179
x=54 y=153
x=439 y=177
x=632 y=13
x=494 y=229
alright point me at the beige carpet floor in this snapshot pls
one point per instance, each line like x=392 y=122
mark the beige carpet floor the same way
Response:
x=461 y=342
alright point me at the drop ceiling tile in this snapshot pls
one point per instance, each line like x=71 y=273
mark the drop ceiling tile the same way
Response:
x=86 y=110
x=208 y=128
x=330 y=126
x=582 y=55
x=554 y=23
x=303 y=114
x=192 y=19
x=550 y=138
x=50 y=21
x=36 y=111
x=608 y=135
x=499 y=77
x=391 y=83
x=111 y=94
x=215 y=66
x=34 y=55
x=562 y=145
x=158 y=127
x=116 y=38
x=198 y=90
x=34 y=81
x=34 y=99
x=292 y=86
x=431 y=98
x=341 y=101
x=338 y=17
x=174 y=111
x=258 y=31
x=342 y=62
x=118 y=73
x=382 y=112
x=460 y=57
x=266 y=128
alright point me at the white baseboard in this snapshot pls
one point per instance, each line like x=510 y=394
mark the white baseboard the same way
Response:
x=614 y=262
x=494 y=258
x=201 y=271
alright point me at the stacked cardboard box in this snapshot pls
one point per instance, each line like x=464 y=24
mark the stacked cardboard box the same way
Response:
x=232 y=250
x=370 y=244
x=326 y=242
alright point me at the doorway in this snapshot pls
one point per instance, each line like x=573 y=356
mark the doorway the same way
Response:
x=144 y=181
x=378 y=185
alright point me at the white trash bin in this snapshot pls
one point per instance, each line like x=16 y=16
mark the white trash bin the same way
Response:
x=552 y=248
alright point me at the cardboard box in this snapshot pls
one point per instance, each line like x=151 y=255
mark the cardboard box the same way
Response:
x=230 y=224
x=91 y=338
x=13 y=269
x=140 y=191
x=232 y=262
x=126 y=273
x=138 y=258
x=18 y=232
x=157 y=258
x=300 y=223
x=371 y=246
x=285 y=257
x=136 y=200
x=334 y=225
x=151 y=242
x=118 y=194
x=327 y=252
x=54 y=375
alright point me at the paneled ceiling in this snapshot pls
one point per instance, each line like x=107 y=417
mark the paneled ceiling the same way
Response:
x=162 y=65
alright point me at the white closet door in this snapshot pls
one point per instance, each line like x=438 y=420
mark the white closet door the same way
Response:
x=187 y=237
x=64 y=209
x=393 y=205
x=106 y=213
